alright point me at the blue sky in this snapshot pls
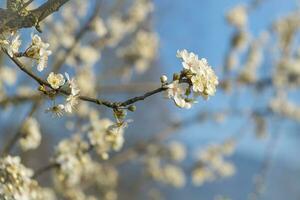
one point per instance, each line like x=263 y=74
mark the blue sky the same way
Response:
x=199 y=26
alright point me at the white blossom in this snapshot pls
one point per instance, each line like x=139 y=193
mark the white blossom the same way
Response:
x=203 y=78
x=238 y=16
x=13 y=46
x=38 y=50
x=176 y=91
x=72 y=99
x=56 y=110
x=56 y=80
x=31 y=135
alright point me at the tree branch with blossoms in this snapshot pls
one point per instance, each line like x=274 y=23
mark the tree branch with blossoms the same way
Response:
x=196 y=77
x=81 y=59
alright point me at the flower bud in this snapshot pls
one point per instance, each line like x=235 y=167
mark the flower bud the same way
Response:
x=176 y=76
x=163 y=79
x=132 y=108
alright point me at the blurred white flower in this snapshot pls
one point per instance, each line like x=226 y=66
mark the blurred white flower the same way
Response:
x=57 y=110
x=238 y=16
x=31 y=134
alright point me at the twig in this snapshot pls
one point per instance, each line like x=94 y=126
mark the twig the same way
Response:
x=140 y=147
x=84 y=29
x=9 y=146
x=45 y=169
x=113 y=105
x=266 y=165
x=18 y=99
x=13 y=21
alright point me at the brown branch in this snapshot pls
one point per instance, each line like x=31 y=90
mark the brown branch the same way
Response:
x=17 y=99
x=113 y=105
x=10 y=20
x=84 y=29
x=11 y=143
x=45 y=169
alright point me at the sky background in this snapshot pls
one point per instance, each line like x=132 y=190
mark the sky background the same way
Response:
x=199 y=26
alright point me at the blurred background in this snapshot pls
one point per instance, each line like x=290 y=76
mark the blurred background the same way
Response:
x=255 y=108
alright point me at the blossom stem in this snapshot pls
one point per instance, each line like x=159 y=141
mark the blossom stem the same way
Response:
x=113 y=105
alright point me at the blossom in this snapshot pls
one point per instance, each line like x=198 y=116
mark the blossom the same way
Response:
x=14 y=46
x=238 y=16
x=43 y=59
x=176 y=92
x=198 y=85
x=106 y=136
x=174 y=176
x=141 y=52
x=99 y=27
x=177 y=151
x=72 y=159
x=31 y=135
x=8 y=75
x=190 y=61
x=212 y=163
x=38 y=50
x=56 y=110
x=56 y=80
x=72 y=99
x=16 y=182
x=73 y=85
x=199 y=73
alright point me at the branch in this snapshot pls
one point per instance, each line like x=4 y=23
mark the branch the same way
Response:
x=172 y=128
x=113 y=105
x=10 y=20
x=11 y=143
x=84 y=29
x=18 y=99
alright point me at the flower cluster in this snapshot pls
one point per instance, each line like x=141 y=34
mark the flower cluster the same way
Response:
x=16 y=182
x=253 y=61
x=31 y=134
x=238 y=16
x=211 y=164
x=161 y=163
x=72 y=99
x=12 y=44
x=197 y=77
x=282 y=106
x=71 y=155
x=106 y=136
x=56 y=81
x=76 y=168
x=38 y=50
x=287 y=72
x=119 y=27
x=141 y=52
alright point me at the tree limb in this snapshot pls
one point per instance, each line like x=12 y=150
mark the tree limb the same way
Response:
x=12 y=21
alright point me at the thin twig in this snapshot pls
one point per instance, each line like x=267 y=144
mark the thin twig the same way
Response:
x=113 y=105
x=11 y=143
x=84 y=29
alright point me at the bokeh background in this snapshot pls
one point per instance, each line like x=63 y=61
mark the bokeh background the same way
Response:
x=199 y=26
